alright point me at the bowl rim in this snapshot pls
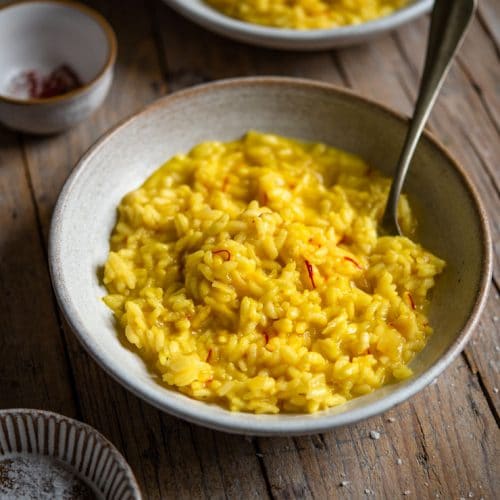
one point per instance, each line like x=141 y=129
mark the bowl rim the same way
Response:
x=110 y=59
x=91 y=431
x=202 y=13
x=230 y=421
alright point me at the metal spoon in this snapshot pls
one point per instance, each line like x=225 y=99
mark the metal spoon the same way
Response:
x=450 y=19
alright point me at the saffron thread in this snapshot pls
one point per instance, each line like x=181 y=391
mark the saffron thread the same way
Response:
x=310 y=272
x=353 y=262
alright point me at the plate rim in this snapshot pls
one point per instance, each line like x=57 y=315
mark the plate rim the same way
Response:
x=293 y=39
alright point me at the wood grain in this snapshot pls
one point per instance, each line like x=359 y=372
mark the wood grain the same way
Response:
x=482 y=71
x=34 y=369
x=444 y=442
x=489 y=14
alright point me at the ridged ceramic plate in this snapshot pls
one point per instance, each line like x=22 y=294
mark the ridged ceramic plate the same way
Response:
x=278 y=38
x=44 y=455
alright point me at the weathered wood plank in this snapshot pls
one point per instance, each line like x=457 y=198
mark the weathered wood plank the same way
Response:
x=34 y=371
x=170 y=457
x=479 y=60
x=489 y=12
x=483 y=352
x=376 y=71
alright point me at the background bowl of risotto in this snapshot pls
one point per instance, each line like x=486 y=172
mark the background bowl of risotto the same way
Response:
x=451 y=224
x=351 y=27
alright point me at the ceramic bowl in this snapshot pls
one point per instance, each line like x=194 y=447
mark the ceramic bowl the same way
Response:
x=452 y=224
x=277 y=38
x=46 y=455
x=41 y=36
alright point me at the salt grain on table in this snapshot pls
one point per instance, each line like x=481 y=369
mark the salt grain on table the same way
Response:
x=375 y=435
x=35 y=477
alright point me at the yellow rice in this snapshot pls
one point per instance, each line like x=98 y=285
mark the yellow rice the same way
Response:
x=306 y=14
x=250 y=274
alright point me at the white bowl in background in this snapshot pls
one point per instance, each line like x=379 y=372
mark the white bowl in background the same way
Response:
x=42 y=35
x=452 y=224
x=292 y=39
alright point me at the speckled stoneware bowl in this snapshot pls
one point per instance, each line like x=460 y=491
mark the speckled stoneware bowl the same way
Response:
x=452 y=224
x=46 y=455
x=277 y=38
x=42 y=35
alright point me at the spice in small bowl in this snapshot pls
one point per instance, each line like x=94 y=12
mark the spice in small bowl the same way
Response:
x=34 y=84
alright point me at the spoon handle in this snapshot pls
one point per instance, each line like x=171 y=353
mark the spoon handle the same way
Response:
x=449 y=22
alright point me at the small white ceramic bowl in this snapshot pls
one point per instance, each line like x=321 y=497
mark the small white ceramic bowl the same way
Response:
x=47 y=455
x=452 y=224
x=290 y=39
x=42 y=35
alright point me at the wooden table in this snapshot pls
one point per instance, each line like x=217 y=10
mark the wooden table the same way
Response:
x=442 y=443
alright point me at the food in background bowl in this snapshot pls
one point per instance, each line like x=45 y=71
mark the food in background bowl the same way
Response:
x=250 y=274
x=306 y=14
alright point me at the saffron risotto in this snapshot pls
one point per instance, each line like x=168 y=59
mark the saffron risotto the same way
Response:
x=250 y=274
x=306 y=14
